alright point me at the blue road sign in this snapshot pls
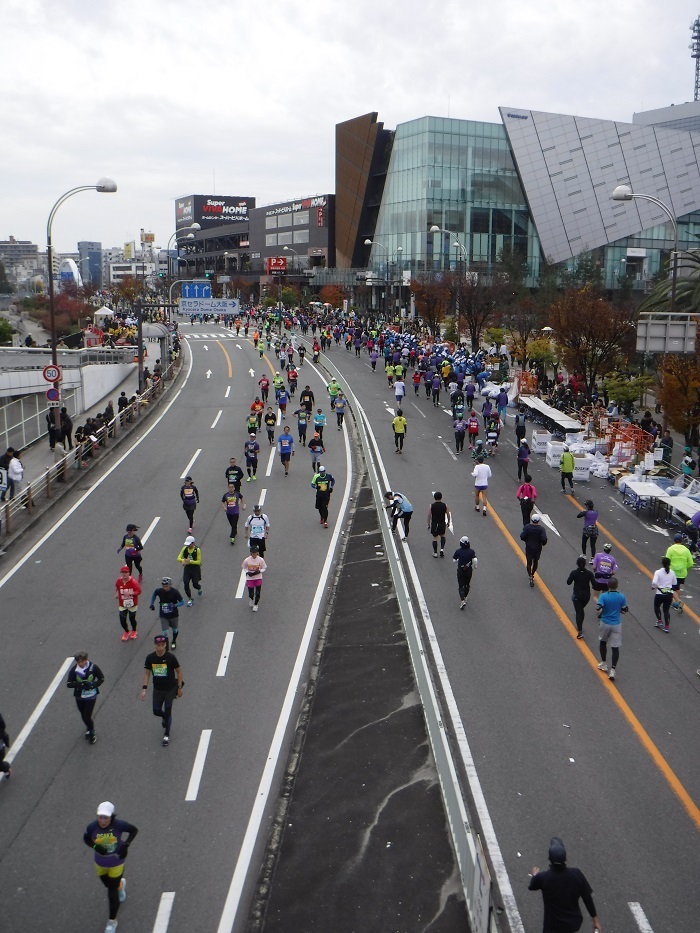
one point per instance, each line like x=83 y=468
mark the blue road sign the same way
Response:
x=196 y=289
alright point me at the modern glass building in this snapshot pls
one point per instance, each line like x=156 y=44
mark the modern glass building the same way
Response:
x=458 y=175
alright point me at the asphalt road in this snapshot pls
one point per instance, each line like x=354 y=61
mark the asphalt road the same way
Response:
x=59 y=597
x=559 y=749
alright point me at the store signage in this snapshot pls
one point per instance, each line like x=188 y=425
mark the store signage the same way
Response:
x=293 y=206
x=210 y=210
x=276 y=265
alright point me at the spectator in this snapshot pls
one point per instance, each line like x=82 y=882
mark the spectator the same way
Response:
x=15 y=472
x=5 y=465
x=66 y=429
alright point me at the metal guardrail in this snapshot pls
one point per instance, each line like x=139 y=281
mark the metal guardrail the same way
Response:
x=33 y=358
x=82 y=456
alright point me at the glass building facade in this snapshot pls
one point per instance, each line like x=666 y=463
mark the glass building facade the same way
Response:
x=458 y=175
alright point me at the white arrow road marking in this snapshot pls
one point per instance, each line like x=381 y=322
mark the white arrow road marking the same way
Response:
x=252 y=373
x=659 y=531
x=208 y=374
x=238 y=346
x=449 y=451
x=206 y=347
x=548 y=522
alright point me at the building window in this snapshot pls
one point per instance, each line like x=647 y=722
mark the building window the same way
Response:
x=284 y=238
x=270 y=223
x=270 y=239
x=301 y=236
x=301 y=219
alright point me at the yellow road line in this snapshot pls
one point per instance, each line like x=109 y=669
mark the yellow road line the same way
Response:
x=643 y=736
x=228 y=359
x=637 y=563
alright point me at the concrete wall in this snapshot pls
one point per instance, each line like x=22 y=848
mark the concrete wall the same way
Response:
x=99 y=381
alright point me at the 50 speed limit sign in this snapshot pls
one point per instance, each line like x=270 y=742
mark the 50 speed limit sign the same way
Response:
x=52 y=373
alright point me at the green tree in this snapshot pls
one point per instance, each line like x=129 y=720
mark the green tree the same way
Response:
x=680 y=392
x=627 y=391
x=6 y=331
x=586 y=272
x=687 y=286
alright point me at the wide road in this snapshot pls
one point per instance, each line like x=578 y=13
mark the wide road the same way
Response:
x=200 y=802
x=613 y=768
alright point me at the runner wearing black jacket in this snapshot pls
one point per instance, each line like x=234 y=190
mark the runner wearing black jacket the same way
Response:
x=582 y=579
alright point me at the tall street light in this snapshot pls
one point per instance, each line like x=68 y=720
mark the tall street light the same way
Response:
x=369 y=242
x=457 y=243
x=625 y=193
x=288 y=249
x=104 y=186
x=184 y=233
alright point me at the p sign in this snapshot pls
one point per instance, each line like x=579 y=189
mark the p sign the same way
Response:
x=276 y=265
x=52 y=373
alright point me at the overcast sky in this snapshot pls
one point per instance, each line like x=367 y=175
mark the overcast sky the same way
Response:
x=172 y=98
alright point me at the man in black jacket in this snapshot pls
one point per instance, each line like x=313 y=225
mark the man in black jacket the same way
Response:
x=582 y=578
x=562 y=888
x=535 y=538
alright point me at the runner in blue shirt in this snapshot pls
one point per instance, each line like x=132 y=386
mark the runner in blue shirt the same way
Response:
x=285 y=445
x=340 y=405
x=303 y=418
x=610 y=605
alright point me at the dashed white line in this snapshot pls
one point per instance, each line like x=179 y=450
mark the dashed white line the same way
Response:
x=198 y=766
x=271 y=460
x=640 y=917
x=165 y=908
x=149 y=531
x=187 y=469
x=225 y=655
x=216 y=420
x=228 y=391
x=261 y=497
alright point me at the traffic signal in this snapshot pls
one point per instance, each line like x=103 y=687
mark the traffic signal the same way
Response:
x=161 y=275
x=207 y=274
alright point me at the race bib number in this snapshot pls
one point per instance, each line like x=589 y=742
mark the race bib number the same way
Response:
x=128 y=602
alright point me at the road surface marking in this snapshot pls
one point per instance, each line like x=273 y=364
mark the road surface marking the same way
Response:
x=198 y=766
x=16 y=746
x=548 y=522
x=640 y=917
x=271 y=460
x=164 y=910
x=189 y=465
x=216 y=420
x=149 y=530
x=449 y=450
x=418 y=410
x=228 y=391
x=241 y=586
x=233 y=897
x=225 y=655
x=228 y=358
x=663 y=766
x=261 y=497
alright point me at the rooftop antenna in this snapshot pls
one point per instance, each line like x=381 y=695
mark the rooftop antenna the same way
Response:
x=695 y=53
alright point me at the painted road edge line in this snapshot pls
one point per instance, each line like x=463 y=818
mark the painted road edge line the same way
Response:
x=165 y=907
x=25 y=732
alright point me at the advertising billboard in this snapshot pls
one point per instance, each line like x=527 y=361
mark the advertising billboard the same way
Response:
x=211 y=210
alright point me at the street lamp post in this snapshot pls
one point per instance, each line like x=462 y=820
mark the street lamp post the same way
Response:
x=369 y=242
x=103 y=186
x=184 y=233
x=80 y=262
x=458 y=244
x=288 y=249
x=625 y=193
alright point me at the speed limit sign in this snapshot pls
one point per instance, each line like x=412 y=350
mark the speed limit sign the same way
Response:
x=52 y=373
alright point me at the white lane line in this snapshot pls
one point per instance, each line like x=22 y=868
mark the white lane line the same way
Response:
x=216 y=420
x=228 y=915
x=189 y=465
x=279 y=417
x=271 y=460
x=225 y=655
x=165 y=907
x=149 y=531
x=96 y=485
x=261 y=497
x=640 y=918
x=241 y=586
x=16 y=746
x=198 y=766
x=419 y=410
x=228 y=391
x=449 y=450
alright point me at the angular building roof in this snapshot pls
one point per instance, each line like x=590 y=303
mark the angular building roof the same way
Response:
x=569 y=167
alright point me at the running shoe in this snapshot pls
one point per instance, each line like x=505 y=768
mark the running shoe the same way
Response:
x=579 y=635
x=174 y=644
x=93 y=737
x=199 y=591
x=248 y=480
x=255 y=476
x=442 y=553
x=111 y=926
x=603 y=667
x=484 y=513
x=666 y=629
x=140 y=578
x=463 y=604
x=166 y=740
x=232 y=540
x=325 y=524
x=125 y=636
x=87 y=735
x=611 y=675
x=122 y=891
x=133 y=633
x=657 y=624
x=255 y=607
x=532 y=581
x=190 y=602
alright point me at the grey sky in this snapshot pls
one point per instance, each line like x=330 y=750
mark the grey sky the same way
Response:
x=172 y=98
